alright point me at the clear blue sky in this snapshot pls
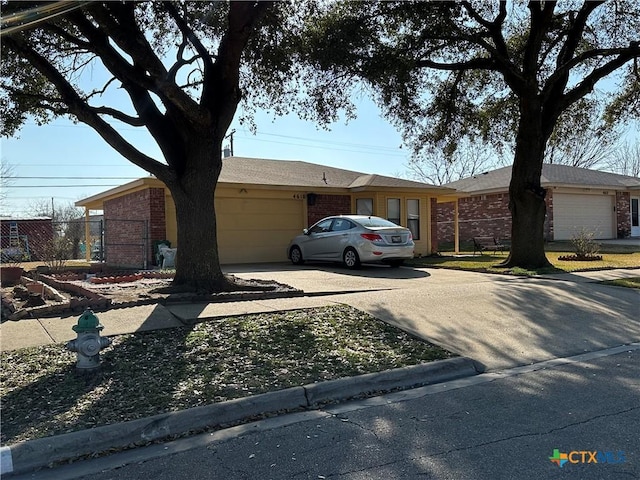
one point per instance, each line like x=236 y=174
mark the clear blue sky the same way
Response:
x=64 y=150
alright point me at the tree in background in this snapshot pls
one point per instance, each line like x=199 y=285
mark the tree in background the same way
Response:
x=68 y=230
x=503 y=72
x=177 y=67
x=583 y=137
x=626 y=160
x=6 y=178
x=470 y=158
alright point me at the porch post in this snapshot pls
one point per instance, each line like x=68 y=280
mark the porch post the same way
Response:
x=87 y=236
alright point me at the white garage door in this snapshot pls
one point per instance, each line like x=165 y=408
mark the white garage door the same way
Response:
x=257 y=229
x=572 y=213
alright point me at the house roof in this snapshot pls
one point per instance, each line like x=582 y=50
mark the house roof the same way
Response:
x=282 y=173
x=304 y=174
x=552 y=176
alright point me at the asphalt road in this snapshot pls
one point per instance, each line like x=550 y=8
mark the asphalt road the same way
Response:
x=500 y=425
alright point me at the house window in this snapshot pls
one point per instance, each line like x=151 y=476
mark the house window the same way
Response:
x=364 y=206
x=413 y=217
x=393 y=210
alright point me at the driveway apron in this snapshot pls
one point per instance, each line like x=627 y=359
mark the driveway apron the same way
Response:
x=499 y=320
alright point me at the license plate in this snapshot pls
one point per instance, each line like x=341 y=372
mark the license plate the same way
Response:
x=396 y=239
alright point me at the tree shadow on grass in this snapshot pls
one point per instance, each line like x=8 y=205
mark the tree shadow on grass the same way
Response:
x=63 y=400
x=149 y=373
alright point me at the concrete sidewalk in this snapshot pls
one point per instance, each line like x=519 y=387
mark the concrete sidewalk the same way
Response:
x=33 y=332
x=399 y=296
x=499 y=321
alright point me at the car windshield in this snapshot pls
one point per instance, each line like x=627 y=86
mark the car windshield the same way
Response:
x=375 y=222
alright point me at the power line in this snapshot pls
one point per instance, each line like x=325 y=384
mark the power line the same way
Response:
x=329 y=148
x=347 y=144
x=366 y=147
x=59 y=186
x=74 y=178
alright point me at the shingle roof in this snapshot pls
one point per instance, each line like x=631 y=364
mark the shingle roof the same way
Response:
x=552 y=175
x=303 y=174
x=282 y=173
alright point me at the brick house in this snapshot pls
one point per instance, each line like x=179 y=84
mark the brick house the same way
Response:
x=576 y=198
x=29 y=235
x=261 y=204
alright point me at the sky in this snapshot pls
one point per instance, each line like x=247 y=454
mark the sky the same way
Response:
x=63 y=162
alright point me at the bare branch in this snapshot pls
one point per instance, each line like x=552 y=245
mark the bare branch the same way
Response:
x=78 y=107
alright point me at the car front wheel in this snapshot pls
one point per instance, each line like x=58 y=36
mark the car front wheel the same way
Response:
x=351 y=258
x=296 y=256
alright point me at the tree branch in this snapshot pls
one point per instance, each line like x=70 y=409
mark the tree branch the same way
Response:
x=117 y=21
x=479 y=63
x=576 y=31
x=78 y=107
x=541 y=16
x=118 y=115
x=587 y=84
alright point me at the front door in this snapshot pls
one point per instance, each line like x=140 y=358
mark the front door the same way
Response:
x=635 y=216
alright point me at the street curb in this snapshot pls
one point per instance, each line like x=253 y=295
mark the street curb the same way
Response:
x=31 y=455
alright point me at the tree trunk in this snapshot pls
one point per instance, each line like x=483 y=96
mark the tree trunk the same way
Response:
x=197 y=262
x=526 y=196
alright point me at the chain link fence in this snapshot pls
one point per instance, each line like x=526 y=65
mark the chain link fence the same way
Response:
x=118 y=242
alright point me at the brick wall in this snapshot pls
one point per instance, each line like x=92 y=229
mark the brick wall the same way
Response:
x=327 y=205
x=478 y=216
x=489 y=215
x=38 y=232
x=623 y=214
x=132 y=223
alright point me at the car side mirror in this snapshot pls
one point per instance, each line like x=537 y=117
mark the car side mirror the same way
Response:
x=305 y=231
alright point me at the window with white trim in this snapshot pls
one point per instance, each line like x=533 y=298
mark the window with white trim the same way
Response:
x=413 y=217
x=393 y=210
x=364 y=206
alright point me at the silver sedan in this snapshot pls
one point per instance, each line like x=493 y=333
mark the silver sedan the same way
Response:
x=352 y=239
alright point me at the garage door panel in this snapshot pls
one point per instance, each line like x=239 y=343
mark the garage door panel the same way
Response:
x=573 y=213
x=257 y=230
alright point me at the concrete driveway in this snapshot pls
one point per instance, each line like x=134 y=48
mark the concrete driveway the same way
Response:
x=499 y=320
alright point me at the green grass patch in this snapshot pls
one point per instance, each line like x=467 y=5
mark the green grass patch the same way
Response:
x=488 y=263
x=149 y=373
x=632 y=282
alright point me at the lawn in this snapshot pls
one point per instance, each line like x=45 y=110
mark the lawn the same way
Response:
x=619 y=256
x=632 y=282
x=149 y=373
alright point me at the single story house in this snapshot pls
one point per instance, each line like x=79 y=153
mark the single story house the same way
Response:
x=260 y=205
x=25 y=238
x=576 y=198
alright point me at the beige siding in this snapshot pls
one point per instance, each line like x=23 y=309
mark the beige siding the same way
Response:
x=591 y=212
x=257 y=230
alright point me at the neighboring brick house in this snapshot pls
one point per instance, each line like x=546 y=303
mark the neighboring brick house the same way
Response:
x=577 y=198
x=30 y=235
x=261 y=204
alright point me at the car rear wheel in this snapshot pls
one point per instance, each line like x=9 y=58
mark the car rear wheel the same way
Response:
x=296 y=256
x=350 y=258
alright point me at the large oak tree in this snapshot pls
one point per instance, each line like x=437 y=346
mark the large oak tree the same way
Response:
x=498 y=71
x=180 y=67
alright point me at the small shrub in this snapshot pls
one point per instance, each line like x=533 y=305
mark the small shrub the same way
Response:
x=56 y=252
x=584 y=244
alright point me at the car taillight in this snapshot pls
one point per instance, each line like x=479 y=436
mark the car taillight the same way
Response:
x=410 y=237
x=372 y=237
